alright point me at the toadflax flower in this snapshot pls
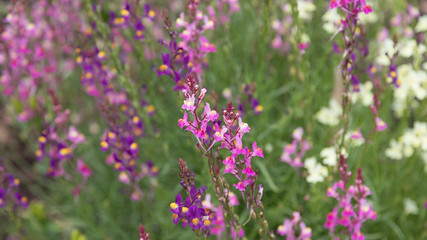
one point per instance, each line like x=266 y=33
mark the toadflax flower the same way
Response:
x=290 y=226
x=352 y=209
x=295 y=151
x=191 y=212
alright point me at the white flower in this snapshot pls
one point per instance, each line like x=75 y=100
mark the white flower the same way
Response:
x=331 y=21
x=386 y=47
x=422 y=24
x=410 y=206
x=364 y=96
x=330 y=116
x=316 y=171
x=395 y=150
x=329 y=156
x=368 y=18
x=407 y=48
x=305 y=9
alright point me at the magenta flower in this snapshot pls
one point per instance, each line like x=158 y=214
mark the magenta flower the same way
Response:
x=295 y=151
x=183 y=122
x=381 y=125
x=352 y=209
x=289 y=228
x=84 y=170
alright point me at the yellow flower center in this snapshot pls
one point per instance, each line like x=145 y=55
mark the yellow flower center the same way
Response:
x=163 y=68
x=195 y=221
x=101 y=54
x=65 y=151
x=104 y=144
x=173 y=206
x=42 y=139
x=207 y=222
x=124 y=12
x=184 y=209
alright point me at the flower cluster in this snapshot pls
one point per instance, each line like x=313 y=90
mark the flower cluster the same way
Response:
x=9 y=185
x=191 y=211
x=230 y=134
x=406 y=145
x=225 y=8
x=218 y=223
x=358 y=6
x=353 y=208
x=143 y=235
x=57 y=142
x=128 y=19
x=295 y=151
x=290 y=226
x=30 y=50
x=285 y=30
x=192 y=40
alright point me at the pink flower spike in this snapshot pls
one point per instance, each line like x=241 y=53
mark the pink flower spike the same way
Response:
x=257 y=151
x=381 y=125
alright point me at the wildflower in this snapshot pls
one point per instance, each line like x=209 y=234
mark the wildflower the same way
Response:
x=410 y=206
x=349 y=215
x=316 y=171
x=330 y=116
x=295 y=151
x=381 y=125
x=290 y=226
x=329 y=156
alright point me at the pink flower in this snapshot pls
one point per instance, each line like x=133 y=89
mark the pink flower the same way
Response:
x=74 y=136
x=277 y=42
x=333 y=4
x=242 y=185
x=257 y=151
x=211 y=114
x=219 y=135
x=381 y=125
x=367 y=9
x=206 y=46
x=357 y=134
x=249 y=171
x=244 y=128
x=83 y=169
x=183 y=121
x=189 y=103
